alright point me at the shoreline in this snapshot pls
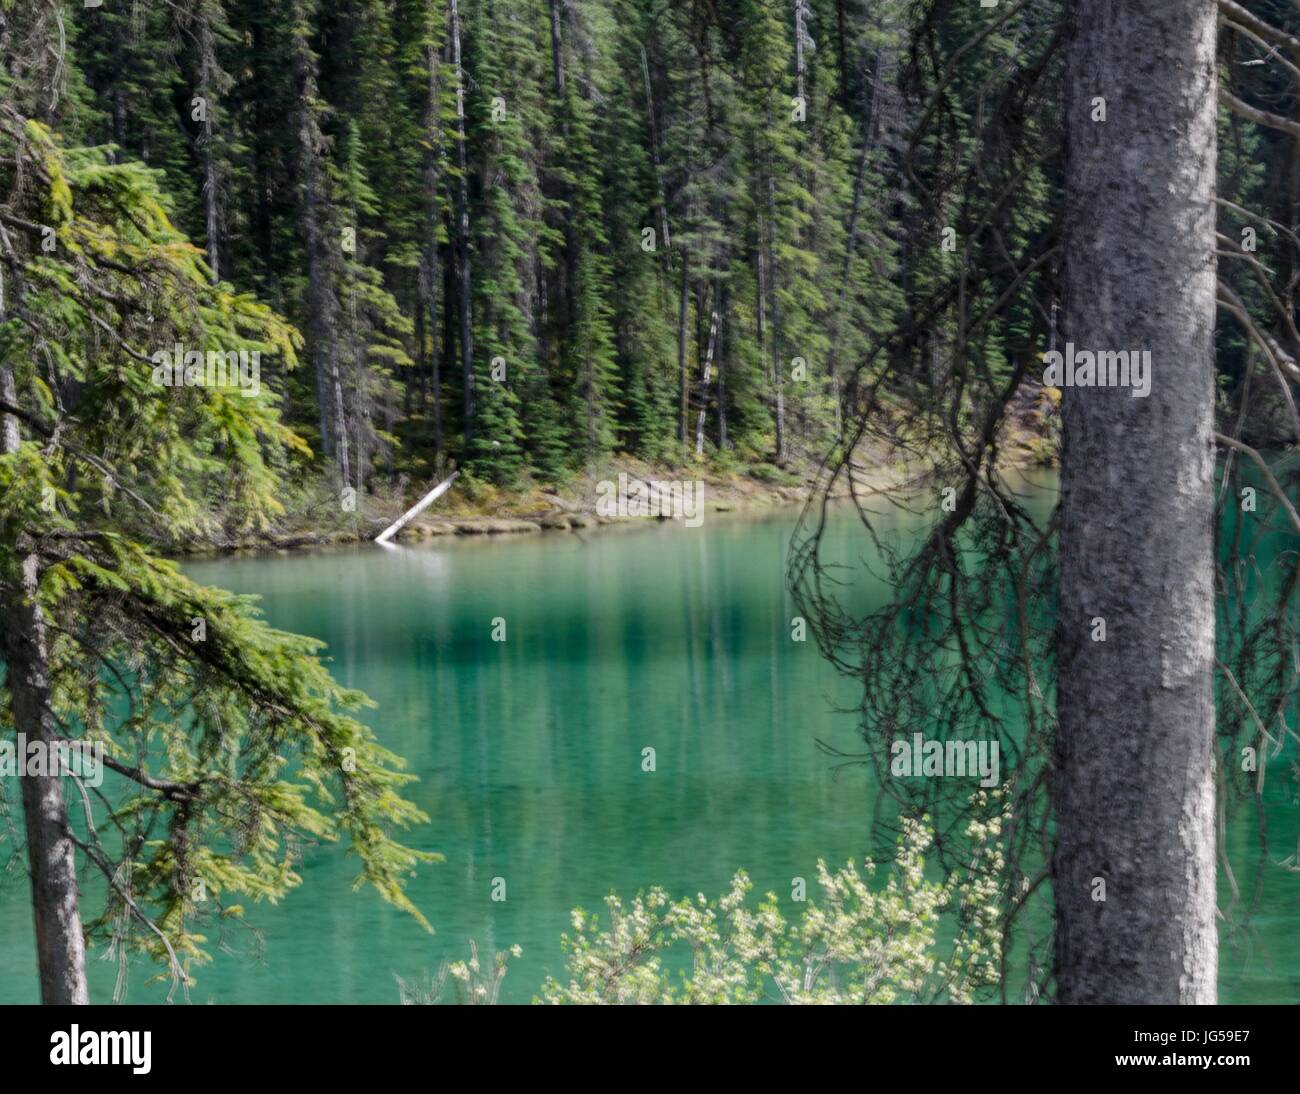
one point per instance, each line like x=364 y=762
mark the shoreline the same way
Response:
x=514 y=517
x=483 y=513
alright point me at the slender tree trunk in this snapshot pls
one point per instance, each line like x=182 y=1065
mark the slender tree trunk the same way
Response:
x=770 y=291
x=429 y=274
x=870 y=128
x=211 y=184
x=407 y=392
x=557 y=49
x=322 y=305
x=340 y=421
x=1134 y=780
x=261 y=162
x=462 y=232
x=119 y=127
x=843 y=51
x=683 y=381
x=352 y=460
x=449 y=327
x=724 y=334
x=760 y=312
x=51 y=854
x=705 y=376
x=567 y=306
x=654 y=152
x=701 y=310
x=800 y=36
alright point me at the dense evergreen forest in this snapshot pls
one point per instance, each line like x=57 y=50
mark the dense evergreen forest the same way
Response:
x=522 y=236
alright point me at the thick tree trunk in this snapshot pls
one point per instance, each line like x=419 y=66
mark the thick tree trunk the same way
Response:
x=60 y=946
x=1135 y=766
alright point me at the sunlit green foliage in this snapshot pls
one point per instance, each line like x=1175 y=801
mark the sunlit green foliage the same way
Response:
x=862 y=943
x=231 y=747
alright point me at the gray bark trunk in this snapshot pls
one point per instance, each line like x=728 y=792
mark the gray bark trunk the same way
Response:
x=51 y=854
x=1134 y=780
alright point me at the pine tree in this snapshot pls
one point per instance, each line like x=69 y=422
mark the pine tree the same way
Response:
x=108 y=458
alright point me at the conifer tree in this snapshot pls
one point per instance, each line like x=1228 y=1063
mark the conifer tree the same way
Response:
x=227 y=741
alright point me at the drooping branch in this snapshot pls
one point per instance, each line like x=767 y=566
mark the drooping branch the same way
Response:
x=1259 y=117
x=1274 y=486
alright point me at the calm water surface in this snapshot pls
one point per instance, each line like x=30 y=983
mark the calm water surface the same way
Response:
x=529 y=753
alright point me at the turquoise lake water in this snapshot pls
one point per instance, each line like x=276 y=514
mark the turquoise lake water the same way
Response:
x=529 y=753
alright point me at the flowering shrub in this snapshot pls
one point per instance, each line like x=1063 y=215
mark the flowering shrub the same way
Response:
x=471 y=984
x=856 y=946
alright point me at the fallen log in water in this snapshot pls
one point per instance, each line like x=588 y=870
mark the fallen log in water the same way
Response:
x=419 y=507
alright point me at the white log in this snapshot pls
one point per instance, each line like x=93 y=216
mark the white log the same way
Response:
x=420 y=506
